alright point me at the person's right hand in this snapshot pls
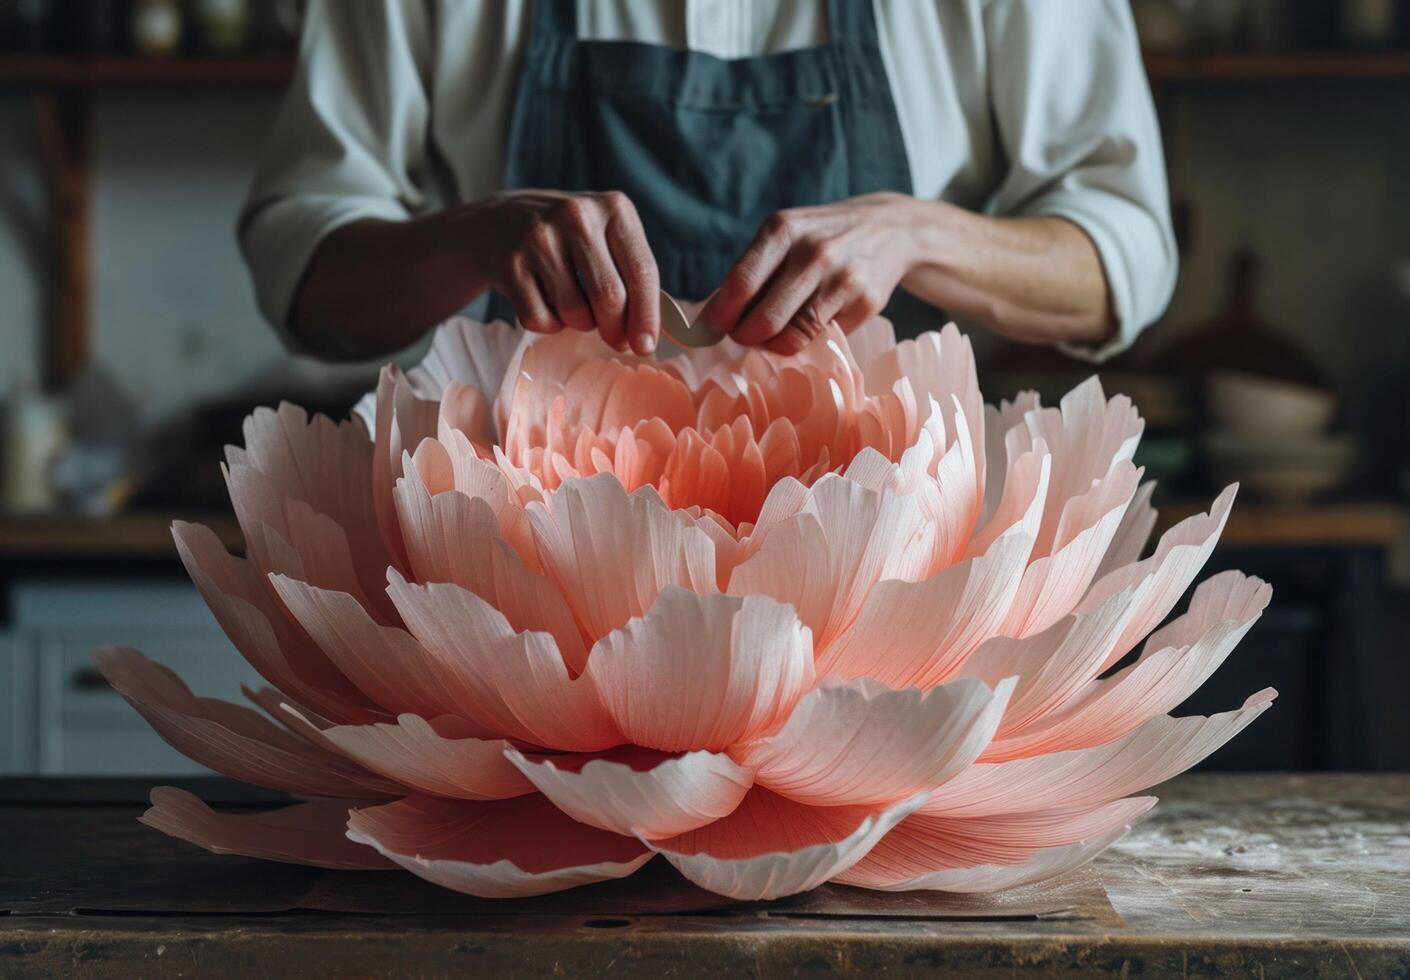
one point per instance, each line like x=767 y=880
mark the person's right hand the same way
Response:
x=579 y=261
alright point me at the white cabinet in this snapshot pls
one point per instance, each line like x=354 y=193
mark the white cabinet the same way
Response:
x=63 y=718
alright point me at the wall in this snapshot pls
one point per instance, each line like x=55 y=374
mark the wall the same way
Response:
x=173 y=313
x=1317 y=180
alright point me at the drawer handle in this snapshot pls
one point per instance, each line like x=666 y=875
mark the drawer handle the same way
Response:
x=89 y=679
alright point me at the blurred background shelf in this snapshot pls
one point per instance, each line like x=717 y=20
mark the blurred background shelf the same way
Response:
x=66 y=71
x=1292 y=66
x=75 y=540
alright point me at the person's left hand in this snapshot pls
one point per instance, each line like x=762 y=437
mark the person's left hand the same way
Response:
x=810 y=266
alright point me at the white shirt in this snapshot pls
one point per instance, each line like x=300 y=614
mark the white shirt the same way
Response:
x=1007 y=107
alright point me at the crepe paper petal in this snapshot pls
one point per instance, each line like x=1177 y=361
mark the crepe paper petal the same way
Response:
x=702 y=671
x=1175 y=662
x=1054 y=583
x=1134 y=531
x=257 y=623
x=611 y=553
x=403 y=421
x=771 y=846
x=1045 y=863
x=917 y=634
x=455 y=538
x=324 y=464
x=313 y=833
x=514 y=684
x=826 y=559
x=1161 y=748
x=923 y=845
x=1087 y=436
x=1054 y=666
x=639 y=792
x=470 y=353
x=864 y=743
x=868 y=342
x=438 y=757
x=1019 y=509
x=361 y=649
x=286 y=536
x=500 y=849
x=229 y=738
x=1179 y=556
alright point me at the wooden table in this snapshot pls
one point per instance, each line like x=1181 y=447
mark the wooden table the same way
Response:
x=1268 y=876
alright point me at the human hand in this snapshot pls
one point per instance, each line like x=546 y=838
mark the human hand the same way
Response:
x=579 y=261
x=810 y=266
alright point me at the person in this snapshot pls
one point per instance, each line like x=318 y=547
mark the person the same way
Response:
x=796 y=161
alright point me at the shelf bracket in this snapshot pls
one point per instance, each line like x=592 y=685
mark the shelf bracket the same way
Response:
x=62 y=122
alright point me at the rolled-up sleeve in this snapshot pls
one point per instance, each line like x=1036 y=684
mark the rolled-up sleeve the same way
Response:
x=1076 y=122
x=348 y=142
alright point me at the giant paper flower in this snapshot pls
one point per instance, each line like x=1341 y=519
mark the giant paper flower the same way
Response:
x=557 y=610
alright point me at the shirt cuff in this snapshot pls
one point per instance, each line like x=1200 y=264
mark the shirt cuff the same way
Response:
x=280 y=237
x=1136 y=256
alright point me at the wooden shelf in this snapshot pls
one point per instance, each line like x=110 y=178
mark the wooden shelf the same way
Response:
x=124 y=536
x=1368 y=524
x=62 y=71
x=1232 y=67
x=1371 y=524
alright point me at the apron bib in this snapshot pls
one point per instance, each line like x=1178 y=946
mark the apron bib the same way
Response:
x=705 y=148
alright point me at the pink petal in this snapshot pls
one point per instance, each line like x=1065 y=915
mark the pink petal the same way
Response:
x=771 y=846
x=611 y=553
x=313 y=833
x=702 y=671
x=499 y=849
x=385 y=662
x=403 y=420
x=260 y=627
x=923 y=845
x=870 y=341
x=1053 y=585
x=229 y=738
x=866 y=537
x=514 y=684
x=1087 y=436
x=1175 y=662
x=916 y=634
x=1044 y=864
x=1161 y=748
x=436 y=757
x=1178 y=557
x=1052 y=666
x=287 y=536
x=1134 y=531
x=639 y=792
x=455 y=538
x=471 y=353
x=864 y=743
x=326 y=465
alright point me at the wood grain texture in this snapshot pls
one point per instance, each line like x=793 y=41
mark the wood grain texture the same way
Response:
x=1272 y=876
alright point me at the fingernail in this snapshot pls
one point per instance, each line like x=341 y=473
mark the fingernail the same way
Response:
x=644 y=344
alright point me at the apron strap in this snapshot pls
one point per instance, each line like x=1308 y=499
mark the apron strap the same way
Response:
x=555 y=18
x=852 y=20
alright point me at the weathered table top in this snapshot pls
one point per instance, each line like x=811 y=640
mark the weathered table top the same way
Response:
x=1271 y=876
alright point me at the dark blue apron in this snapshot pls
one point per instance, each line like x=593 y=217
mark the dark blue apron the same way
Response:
x=705 y=148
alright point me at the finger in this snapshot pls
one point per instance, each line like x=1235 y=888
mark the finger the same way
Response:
x=626 y=240
x=558 y=282
x=526 y=297
x=815 y=315
x=750 y=273
x=794 y=283
x=606 y=294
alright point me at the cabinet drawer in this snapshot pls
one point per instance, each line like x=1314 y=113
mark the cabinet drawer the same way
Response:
x=81 y=725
